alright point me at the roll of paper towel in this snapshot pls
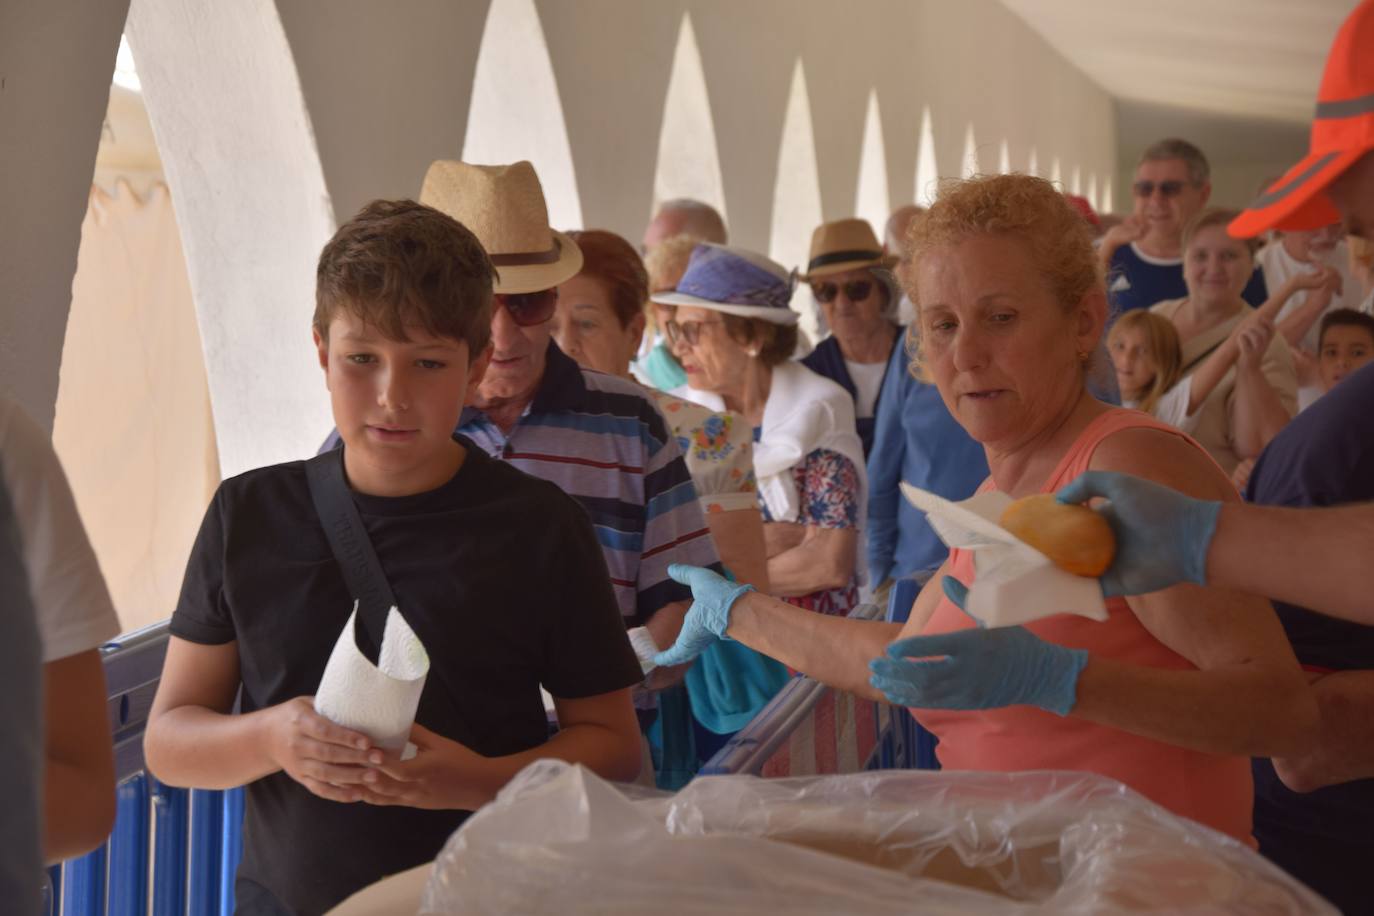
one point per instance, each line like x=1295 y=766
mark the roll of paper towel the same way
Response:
x=378 y=700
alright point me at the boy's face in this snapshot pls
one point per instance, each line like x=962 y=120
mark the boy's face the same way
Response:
x=1344 y=349
x=396 y=403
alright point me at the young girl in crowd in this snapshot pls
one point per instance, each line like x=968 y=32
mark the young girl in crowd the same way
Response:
x=1147 y=356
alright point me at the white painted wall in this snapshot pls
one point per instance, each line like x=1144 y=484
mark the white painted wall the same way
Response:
x=240 y=159
x=56 y=57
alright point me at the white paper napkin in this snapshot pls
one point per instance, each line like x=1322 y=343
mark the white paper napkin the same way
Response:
x=1015 y=583
x=378 y=700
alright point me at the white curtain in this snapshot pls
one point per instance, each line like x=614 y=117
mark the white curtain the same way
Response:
x=133 y=424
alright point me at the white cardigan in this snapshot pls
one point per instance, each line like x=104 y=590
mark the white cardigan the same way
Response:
x=804 y=412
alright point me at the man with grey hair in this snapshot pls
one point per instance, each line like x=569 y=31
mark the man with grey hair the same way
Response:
x=683 y=216
x=1143 y=255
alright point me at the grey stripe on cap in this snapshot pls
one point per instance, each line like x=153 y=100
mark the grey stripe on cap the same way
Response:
x=1346 y=108
x=1270 y=198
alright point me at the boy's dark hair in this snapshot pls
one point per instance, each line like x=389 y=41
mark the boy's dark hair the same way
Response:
x=400 y=264
x=1350 y=317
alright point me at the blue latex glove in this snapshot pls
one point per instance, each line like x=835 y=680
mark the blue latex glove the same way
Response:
x=981 y=669
x=709 y=616
x=1162 y=536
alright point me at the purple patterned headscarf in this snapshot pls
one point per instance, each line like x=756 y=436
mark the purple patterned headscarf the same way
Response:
x=719 y=274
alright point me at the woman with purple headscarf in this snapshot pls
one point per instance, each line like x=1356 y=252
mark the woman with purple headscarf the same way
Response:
x=734 y=333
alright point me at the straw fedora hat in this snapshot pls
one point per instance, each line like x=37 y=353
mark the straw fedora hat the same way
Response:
x=845 y=244
x=504 y=207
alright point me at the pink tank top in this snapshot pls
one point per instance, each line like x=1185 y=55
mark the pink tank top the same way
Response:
x=1209 y=788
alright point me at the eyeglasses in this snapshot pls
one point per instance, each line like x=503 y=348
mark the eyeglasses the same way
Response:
x=854 y=290
x=529 y=309
x=689 y=331
x=1167 y=189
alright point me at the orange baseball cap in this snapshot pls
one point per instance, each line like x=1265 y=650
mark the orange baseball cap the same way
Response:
x=1342 y=132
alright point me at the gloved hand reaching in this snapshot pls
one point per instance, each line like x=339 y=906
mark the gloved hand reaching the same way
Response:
x=980 y=668
x=709 y=616
x=1162 y=536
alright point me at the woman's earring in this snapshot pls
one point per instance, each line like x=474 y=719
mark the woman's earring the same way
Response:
x=753 y=352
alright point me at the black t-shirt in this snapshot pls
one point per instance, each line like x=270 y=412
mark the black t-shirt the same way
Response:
x=1325 y=457
x=498 y=573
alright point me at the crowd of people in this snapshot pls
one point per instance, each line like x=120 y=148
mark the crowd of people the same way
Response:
x=554 y=439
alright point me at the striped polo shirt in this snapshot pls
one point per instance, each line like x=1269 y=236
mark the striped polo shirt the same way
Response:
x=602 y=440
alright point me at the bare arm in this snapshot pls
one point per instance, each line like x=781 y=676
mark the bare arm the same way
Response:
x=664 y=626
x=78 y=778
x=738 y=534
x=781 y=536
x=1313 y=558
x=1247 y=694
x=1257 y=412
x=193 y=739
x=1345 y=748
x=824 y=559
x=833 y=650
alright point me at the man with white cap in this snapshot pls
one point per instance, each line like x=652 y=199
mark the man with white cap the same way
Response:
x=1312 y=813
x=600 y=438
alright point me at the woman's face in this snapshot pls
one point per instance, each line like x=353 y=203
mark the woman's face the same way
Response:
x=1002 y=350
x=586 y=327
x=716 y=361
x=1134 y=363
x=1216 y=267
x=852 y=303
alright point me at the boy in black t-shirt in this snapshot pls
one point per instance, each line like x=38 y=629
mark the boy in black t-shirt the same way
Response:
x=499 y=575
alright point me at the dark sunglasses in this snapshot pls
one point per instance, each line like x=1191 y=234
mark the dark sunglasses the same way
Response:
x=689 y=331
x=854 y=290
x=1166 y=188
x=529 y=309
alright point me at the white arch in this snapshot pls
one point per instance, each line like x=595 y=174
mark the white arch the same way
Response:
x=1056 y=174
x=253 y=210
x=1092 y=190
x=797 y=194
x=516 y=112
x=927 y=171
x=688 y=158
x=969 y=167
x=871 y=200
x=1033 y=164
x=1004 y=159
x=1107 y=194
x=1076 y=181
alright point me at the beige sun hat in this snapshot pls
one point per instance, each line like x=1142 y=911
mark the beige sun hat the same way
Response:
x=845 y=244
x=504 y=207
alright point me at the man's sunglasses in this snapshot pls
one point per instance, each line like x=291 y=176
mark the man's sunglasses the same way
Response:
x=689 y=331
x=529 y=309
x=1166 y=188
x=854 y=290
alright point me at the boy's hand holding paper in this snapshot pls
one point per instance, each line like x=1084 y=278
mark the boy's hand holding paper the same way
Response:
x=378 y=700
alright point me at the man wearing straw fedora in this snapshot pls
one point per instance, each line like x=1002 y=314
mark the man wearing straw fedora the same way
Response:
x=598 y=437
x=849 y=276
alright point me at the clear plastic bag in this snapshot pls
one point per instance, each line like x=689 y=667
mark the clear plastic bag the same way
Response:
x=560 y=840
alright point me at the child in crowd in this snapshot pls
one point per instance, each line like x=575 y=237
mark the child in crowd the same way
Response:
x=499 y=575
x=1147 y=355
x=1346 y=344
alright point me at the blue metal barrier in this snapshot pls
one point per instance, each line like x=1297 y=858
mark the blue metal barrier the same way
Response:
x=175 y=849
